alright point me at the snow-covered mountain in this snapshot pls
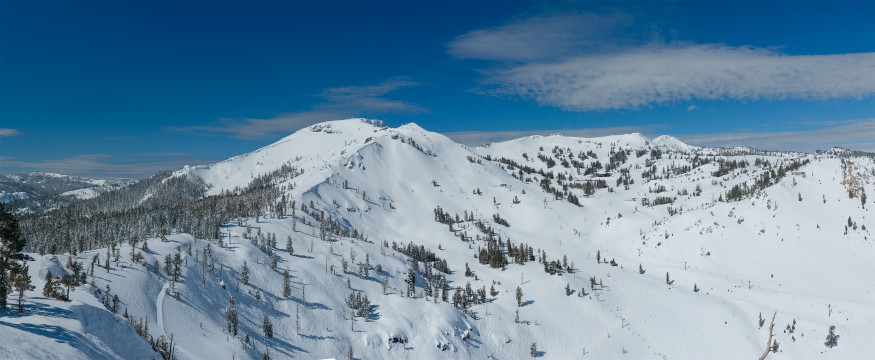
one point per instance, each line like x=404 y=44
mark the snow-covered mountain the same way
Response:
x=39 y=191
x=549 y=246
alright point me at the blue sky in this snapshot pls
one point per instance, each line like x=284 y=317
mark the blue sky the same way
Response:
x=127 y=88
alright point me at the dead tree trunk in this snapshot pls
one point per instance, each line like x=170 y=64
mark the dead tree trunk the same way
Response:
x=769 y=342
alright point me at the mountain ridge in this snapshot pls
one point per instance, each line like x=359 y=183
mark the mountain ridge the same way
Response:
x=621 y=246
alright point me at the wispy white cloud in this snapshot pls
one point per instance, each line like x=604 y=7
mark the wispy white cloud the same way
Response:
x=255 y=128
x=370 y=98
x=540 y=38
x=851 y=134
x=339 y=103
x=580 y=74
x=105 y=166
x=473 y=138
x=664 y=74
x=9 y=132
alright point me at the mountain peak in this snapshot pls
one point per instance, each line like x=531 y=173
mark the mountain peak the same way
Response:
x=671 y=143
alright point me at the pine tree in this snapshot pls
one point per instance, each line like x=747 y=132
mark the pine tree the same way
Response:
x=208 y=257
x=177 y=267
x=231 y=314
x=533 y=350
x=11 y=245
x=49 y=287
x=363 y=270
x=20 y=283
x=519 y=296
x=831 y=338
x=106 y=298
x=289 y=248
x=411 y=283
x=115 y=303
x=287 y=286
x=168 y=265
x=267 y=327
x=68 y=283
x=298 y=319
x=244 y=274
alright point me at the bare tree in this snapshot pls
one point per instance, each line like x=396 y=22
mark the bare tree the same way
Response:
x=769 y=342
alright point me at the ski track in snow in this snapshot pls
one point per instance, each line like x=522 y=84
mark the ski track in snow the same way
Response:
x=159 y=306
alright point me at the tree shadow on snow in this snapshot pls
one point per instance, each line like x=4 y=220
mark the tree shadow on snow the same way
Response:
x=317 y=306
x=62 y=336
x=317 y=337
x=54 y=332
x=280 y=345
x=474 y=343
x=310 y=305
x=37 y=309
x=374 y=314
x=527 y=303
x=368 y=278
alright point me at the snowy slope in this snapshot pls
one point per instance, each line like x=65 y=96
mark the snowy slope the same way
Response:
x=768 y=252
x=79 y=329
x=311 y=149
x=673 y=144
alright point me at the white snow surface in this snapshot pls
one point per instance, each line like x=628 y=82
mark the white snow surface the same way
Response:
x=672 y=143
x=770 y=252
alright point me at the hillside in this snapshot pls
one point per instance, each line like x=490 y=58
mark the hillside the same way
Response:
x=622 y=247
x=37 y=192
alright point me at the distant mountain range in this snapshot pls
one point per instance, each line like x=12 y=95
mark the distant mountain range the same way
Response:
x=47 y=190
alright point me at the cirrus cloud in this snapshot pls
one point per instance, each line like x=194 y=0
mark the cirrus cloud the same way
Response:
x=103 y=166
x=856 y=134
x=661 y=74
x=9 y=132
x=338 y=103
x=540 y=38
x=578 y=73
